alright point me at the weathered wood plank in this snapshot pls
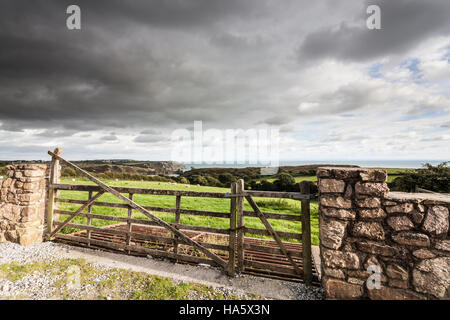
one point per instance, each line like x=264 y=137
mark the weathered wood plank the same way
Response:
x=89 y=219
x=160 y=192
x=272 y=267
x=129 y=223
x=271 y=250
x=177 y=220
x=232 y=236
x=276 y=194
x=277 y=216
x=240 y=225
x=52 y=193
x=161 y=239
x=254 y=193
x=306 y=234
x=265 y=232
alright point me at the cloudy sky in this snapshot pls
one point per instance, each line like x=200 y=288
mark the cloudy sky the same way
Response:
x=138 y=70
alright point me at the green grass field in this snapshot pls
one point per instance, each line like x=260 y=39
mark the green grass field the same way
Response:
x=392 y=174
x=285 y=206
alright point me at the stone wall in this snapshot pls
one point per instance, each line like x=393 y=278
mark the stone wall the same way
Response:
x=23 y=196
x=403 y=236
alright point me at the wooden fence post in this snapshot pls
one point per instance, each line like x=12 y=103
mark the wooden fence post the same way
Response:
x=240 y=224
x=177 y=222
x=89 y=220
x=232 y=234
x=129 y=225
x=52 y=193
x=305 y=188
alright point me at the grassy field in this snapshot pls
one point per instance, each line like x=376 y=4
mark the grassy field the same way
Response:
x=392 y=174
x=285 y=206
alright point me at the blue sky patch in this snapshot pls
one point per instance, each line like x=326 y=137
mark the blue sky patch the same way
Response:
x=374 y=70
x=424 y=114
x=412 y=64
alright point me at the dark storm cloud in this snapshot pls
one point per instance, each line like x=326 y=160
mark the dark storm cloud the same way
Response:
x=107 y=75
x=109 y=138
x=404 y=23
x=149 y=138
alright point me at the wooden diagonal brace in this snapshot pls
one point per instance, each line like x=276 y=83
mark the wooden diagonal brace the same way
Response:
x=272 y=232
x=84 y=206
x=136 y=206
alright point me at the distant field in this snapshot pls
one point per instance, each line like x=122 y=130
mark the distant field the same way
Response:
x=392 y=174
x=286 y=206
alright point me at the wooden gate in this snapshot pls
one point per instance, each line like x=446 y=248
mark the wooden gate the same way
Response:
x=231 y=248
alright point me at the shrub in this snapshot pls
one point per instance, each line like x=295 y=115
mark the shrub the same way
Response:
x=433 y=178
x=285 y=182
x=197 y=179
x=183 y=180
x=68 y=172
x=227 y=178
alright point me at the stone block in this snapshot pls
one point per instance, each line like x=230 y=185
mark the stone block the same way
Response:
x=412 y=239
x=433 y=277
x=377 y=248
x=371 y=189
x=372 y=213
x=370 y=230
x=373 y=175
x=332 y=233
x=387 y=293
x=335 y=202
x=343 y=214
x=339 y=259
x=443 y=245
x=400 y=223
x=369 y=202
x=423 y=254
x=436 y=221
x=400 y=208
x=338 y=289
x=331 y=186
x=394 y=271
x=334 y=273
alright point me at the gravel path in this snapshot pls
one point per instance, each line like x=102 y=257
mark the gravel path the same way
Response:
x=46 y=251
x=39 y=286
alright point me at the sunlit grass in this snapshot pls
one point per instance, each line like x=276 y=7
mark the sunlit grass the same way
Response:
x=285 y=206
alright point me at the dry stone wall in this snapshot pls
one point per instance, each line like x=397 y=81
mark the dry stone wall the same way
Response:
x=23 y=196
x=364 y=228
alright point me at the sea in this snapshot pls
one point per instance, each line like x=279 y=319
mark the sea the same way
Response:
x=404 y=164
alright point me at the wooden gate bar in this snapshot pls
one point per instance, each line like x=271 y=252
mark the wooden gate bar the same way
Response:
x=241 y=225
x=129 y=224
x=136 y=206
x=232 y=236
x=177 y=220
x=272 y=231
x=89 y=219
x=306 y=234
x=54 y=167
